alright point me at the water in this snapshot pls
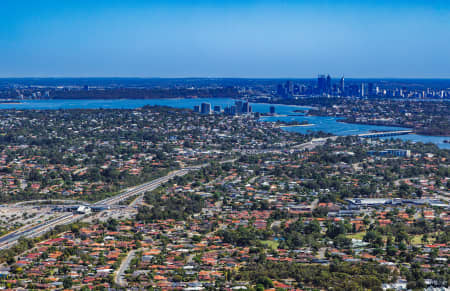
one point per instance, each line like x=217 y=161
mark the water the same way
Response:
x=333 y=126
x=318 y=123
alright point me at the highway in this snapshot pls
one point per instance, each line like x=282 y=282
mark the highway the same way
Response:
x=39 y=229
x=141 y=188
x=10 y=239
x=297 y=148
x=152 y=185
x=36 y=230
x=64 y=201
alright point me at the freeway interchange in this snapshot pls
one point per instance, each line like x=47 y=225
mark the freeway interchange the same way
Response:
x=10 y=239
x=31 y=231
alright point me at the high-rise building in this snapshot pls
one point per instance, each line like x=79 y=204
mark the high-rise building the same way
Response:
x=371 y=90
x=328 y=88
x=353 y=90
x=217 y=109
x=280 y=90
x=272 y=109
x=197 y=108
x=239 y=105
x=303 y=89
x=233 y=110
x=321 y=83
x=290 y=87
x=342 y=86
x=206 y=108
x=362 y=90
x=246 y=108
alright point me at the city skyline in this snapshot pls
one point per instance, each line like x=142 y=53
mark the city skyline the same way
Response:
x=225 y=145
x=245 y=39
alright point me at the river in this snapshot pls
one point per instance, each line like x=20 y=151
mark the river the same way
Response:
x=326 y=124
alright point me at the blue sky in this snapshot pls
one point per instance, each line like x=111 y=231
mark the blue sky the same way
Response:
x=282 y=39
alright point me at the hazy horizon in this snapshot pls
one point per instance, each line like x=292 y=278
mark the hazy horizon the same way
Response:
x=224 y=78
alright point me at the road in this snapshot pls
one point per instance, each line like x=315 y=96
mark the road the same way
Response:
x=39 y=229
x=119 y=278
x=137 y=201
x=321 y=253
x=314 y=204
x=444 y=196
x=64 y=201
x=142 y=188
x=297 y=148
x=33 y=231
x=152 y=185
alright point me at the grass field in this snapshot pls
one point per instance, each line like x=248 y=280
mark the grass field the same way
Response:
x=358 y=235
x=417 y=239
x=271 y=244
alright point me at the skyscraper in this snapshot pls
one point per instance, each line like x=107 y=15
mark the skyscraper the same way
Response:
x=239 y=105
x=290 y=87
x=328 y=89
x=342 y=86
x=371 y=90
x=206 y=108
x=321 y=83
x=246 y=108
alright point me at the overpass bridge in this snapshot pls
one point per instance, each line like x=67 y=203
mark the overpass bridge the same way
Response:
x=384 y=133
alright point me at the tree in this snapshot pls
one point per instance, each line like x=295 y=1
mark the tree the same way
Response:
x=67 y=282
x=373 y=238
x=264 y=281
x=112 y=224
x=424 y=238
x=335 y=229
x=341 y=241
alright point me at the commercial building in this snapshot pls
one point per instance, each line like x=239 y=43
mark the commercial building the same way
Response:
x=205 y=108
x=272 y=109
x=399 y=152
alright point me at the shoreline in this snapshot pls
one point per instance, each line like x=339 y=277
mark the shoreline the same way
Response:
x=414 y=131
x=307 y=113
x=297 y=125
x=344 y=120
